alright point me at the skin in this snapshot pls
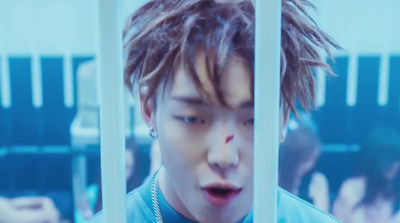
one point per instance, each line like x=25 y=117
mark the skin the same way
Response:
x=155 y=157
x=195 y=154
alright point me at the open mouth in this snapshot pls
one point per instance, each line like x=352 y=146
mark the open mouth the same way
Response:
x=220 y=192
x=220 y=195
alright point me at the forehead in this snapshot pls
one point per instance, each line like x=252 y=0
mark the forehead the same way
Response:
x=235 y=83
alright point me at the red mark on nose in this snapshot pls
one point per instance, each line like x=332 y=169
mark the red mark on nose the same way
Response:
x=229 y=138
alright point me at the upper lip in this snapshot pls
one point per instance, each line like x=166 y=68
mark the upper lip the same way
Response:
x=223 y=186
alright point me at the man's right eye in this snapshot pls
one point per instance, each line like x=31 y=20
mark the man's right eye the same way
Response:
x=192 y=120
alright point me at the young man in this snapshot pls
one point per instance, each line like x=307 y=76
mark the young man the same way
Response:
x=192 y=63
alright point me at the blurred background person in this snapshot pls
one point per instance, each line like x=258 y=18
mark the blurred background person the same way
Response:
x=93 y=200
x=298 y=156
x=372 y=195
x=28 y=210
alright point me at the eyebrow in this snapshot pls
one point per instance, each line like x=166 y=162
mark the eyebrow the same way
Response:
x=201 y=102
x=190 y=100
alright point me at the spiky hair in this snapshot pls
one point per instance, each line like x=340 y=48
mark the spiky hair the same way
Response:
x=166 y=33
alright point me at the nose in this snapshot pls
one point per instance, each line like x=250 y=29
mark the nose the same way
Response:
x=223 y=152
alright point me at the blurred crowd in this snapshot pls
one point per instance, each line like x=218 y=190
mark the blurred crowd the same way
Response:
x=370 y=195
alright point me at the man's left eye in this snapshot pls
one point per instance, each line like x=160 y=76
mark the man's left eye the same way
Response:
x=250 y=121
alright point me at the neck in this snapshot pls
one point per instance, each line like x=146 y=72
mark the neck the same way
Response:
x=171 y=196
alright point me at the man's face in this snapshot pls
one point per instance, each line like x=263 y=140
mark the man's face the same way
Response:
x=207 y=148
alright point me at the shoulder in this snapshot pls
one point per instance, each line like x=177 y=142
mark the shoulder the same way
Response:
x=294 y=209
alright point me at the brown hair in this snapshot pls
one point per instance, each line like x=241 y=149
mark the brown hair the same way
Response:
x=166 y=33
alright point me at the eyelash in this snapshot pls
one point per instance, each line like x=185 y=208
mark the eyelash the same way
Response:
x=191 y=120
x=250 y=122
x=197 y=120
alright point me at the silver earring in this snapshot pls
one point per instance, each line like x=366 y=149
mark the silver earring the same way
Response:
x=153 y=133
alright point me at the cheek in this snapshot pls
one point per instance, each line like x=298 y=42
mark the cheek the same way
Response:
x=181 y=146
x=246 y=158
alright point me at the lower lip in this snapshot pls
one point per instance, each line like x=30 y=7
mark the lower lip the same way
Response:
x=221 y=201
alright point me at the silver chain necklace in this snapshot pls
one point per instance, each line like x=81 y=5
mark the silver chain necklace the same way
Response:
x=154 y=197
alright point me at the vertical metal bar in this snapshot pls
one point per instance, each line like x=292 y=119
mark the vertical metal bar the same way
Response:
x=267 y=91
x=110 y=85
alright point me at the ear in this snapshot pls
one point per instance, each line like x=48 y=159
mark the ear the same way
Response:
x=147 y=109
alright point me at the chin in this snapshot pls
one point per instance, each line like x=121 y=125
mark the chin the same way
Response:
x=212 y=214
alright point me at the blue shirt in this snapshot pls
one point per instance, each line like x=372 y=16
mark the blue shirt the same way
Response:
x=291 y=209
